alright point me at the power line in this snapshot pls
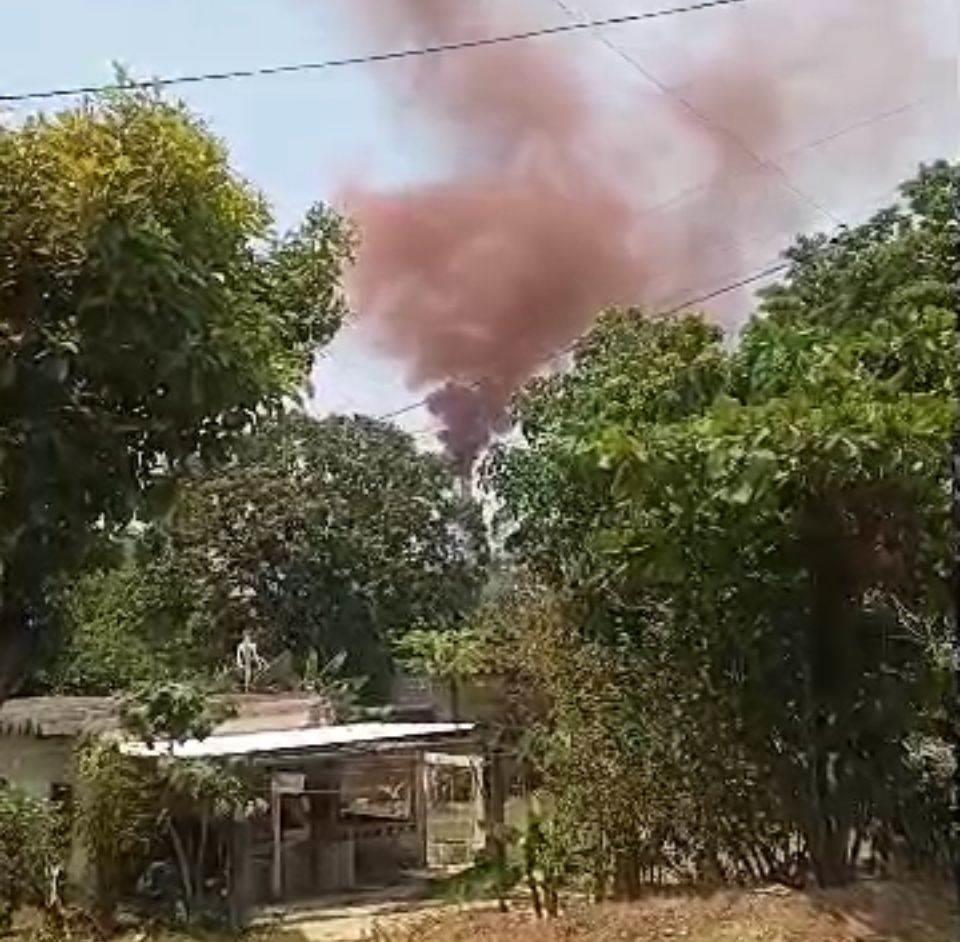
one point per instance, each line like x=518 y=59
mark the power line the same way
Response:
x=726 y=289
x=403 y=410
x=703 y=119
x=389 y=56
x=766 y=272
x=771 y=268
x=840 y=133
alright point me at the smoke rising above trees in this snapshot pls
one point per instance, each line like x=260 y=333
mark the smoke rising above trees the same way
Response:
x=473 y=281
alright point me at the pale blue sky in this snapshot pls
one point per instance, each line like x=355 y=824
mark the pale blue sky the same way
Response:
x=292 y=135
x=297 y=136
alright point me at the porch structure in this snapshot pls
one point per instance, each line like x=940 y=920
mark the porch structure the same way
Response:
x=343 y=807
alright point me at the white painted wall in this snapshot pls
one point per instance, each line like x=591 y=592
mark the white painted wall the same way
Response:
x=35 y=764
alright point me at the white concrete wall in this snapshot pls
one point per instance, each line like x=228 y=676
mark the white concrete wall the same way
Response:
x=35 y=764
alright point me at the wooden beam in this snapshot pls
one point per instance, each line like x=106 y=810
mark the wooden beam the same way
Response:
x=276 y=870
x=241 y=874
x=419 y=804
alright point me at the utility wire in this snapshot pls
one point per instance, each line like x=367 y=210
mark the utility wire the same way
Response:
x=701 y=117
x=766 y=272
x=389 y=56
x=773 y=267
x=840 y=133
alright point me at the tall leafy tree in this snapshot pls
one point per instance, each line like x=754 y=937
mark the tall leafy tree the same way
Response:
x=779 y=544
x=124 y=624
x=629 y=371
x=148 y=313
x=328 y=536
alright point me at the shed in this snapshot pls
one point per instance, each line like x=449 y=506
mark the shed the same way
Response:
x=344 y=806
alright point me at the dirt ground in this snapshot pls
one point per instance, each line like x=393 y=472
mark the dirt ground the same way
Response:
x=870 y=912
x=873 y=912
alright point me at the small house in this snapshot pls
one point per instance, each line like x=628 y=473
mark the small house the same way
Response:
x=342 y=806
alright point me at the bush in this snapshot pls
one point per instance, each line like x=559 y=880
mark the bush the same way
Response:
x=118 y=811
x=33 y=844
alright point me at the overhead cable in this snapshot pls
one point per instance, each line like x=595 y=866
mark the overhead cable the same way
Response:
x=370 y=58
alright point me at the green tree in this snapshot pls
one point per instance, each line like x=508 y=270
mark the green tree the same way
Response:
x=124 y=625
x=329 y=536
x=449 y=656
x=134 y=807
x=33 y=850
x=117 y=812
x=766 y=540
x=629 y=371
x=148 y=313
x=170 y=713
x=195 y=794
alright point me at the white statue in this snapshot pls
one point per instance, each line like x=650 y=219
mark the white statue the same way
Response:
x=248 y=659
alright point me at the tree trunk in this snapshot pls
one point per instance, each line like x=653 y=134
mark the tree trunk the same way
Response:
x=455 y=699
x=627 y=879
x=183 y=865
x=552 y=895
x=829 y=656
x=534 y=892
x=17 y=646
x=600 y=874
x=199 y=870
x=831 y=865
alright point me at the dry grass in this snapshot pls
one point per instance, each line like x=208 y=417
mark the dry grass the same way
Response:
x=874 y=912
x=869 y=912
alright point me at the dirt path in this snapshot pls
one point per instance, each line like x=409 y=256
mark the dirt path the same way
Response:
x=352 y=919
x=356 y=923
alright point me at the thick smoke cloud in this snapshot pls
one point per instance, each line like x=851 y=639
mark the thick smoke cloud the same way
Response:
x=474 y=281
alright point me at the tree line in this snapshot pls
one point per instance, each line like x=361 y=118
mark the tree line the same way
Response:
x=737 y=571
x=717 y=580
x=163 y=488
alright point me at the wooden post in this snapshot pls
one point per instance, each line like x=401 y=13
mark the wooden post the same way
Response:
x=494 y=816
x=479 y=798
x=241 y=874
x=317 y=836
x=494 y=811
x=276 y=870
x=419 y=803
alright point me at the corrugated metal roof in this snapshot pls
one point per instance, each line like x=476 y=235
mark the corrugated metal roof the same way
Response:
x=73 y=716
x=318 y=739
x=57 y=716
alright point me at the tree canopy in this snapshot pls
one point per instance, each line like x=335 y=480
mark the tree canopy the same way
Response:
x=320 y=537
x=767 y=528
x=125 y=623
x=148 y=313
x=332 y=535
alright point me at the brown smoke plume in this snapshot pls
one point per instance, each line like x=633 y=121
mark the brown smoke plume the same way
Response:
x=475 y=281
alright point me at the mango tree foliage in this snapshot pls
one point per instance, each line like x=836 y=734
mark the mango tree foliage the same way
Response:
x=783 y=545
x=629 y=371
x=148 y=312
x=328 y=536
x=125 y=624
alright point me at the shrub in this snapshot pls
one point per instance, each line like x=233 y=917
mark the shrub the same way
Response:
x=33 y=844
